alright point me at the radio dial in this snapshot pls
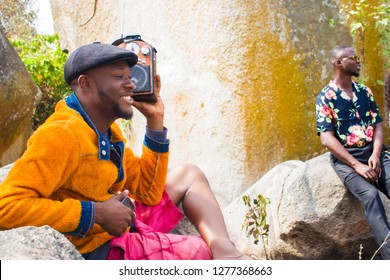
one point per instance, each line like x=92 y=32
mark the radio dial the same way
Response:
x=145 y=51
x=133 y=47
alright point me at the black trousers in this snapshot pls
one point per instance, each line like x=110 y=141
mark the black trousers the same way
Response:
x=367 y=193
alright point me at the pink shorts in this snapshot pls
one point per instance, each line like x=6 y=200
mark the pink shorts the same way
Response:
x=149 y=238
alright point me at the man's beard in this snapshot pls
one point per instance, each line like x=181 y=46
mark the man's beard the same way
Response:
x=115 y=106
x=356 y=74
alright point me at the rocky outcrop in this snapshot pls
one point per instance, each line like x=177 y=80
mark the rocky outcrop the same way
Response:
x=311 y=215
x=18 y=95
x=36 y=243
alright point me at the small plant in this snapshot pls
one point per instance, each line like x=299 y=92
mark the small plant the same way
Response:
x=360 y=251
x=387 y=239
x=255 y=220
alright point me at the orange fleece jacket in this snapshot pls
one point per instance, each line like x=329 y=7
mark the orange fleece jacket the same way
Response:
x=61 y=167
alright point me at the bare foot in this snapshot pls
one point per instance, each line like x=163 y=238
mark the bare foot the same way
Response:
x=239 y=257
x=223 y=249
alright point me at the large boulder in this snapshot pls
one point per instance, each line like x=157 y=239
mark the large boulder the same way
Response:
x=36 y=243
x=311 y=215
x=18 y=96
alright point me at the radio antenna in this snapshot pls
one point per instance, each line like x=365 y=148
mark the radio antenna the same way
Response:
x=123 y=17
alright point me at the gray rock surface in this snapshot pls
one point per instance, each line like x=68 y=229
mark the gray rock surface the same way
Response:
x=311 y=214
x=18 y=96
x=36 y=243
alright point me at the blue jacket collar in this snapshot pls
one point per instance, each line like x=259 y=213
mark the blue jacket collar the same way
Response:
x=103 y=139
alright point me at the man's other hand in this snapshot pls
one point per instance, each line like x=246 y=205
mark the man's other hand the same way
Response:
x=113 y=216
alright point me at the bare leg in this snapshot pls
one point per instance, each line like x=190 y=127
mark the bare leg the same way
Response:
x=188 y=185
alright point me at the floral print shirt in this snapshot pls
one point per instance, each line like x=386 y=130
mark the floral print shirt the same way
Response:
x=352 y=120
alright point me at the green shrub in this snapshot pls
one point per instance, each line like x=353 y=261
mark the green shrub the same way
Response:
x=361 y=16
x=44 y=60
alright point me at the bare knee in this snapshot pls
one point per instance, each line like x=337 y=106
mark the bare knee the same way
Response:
x=184 y=175
x=181 y=178
x=189 y=170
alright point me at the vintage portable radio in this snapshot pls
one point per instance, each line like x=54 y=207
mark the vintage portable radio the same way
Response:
x=144 y=72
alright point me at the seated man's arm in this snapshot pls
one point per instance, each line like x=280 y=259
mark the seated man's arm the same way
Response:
x=378 y=139
x=337 y=149
x=27 y=195
x=146 y=176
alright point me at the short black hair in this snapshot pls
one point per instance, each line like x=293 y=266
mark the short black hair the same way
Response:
x=336 y=52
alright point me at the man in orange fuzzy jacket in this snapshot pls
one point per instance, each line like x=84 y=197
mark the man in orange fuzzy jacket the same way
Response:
x=76 y=172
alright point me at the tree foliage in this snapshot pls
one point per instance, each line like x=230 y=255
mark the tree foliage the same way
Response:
x=361 y=16
x=17 y=17
x=44 y=60
x=382 y=22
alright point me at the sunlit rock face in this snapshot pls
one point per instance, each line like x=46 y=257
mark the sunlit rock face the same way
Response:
x=17 y=97
x=239 y=78
x=312 y=216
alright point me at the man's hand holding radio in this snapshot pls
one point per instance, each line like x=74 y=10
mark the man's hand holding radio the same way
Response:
x=153 y=112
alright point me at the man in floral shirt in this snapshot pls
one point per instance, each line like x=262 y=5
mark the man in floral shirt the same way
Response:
x=350 y=126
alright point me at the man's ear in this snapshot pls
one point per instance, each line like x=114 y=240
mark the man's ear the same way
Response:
x=84 y=82
x=338 y=62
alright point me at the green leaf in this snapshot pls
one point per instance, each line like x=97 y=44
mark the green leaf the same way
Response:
x=355 y=26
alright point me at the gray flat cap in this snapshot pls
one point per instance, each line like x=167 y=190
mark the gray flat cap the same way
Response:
x=94 y=55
